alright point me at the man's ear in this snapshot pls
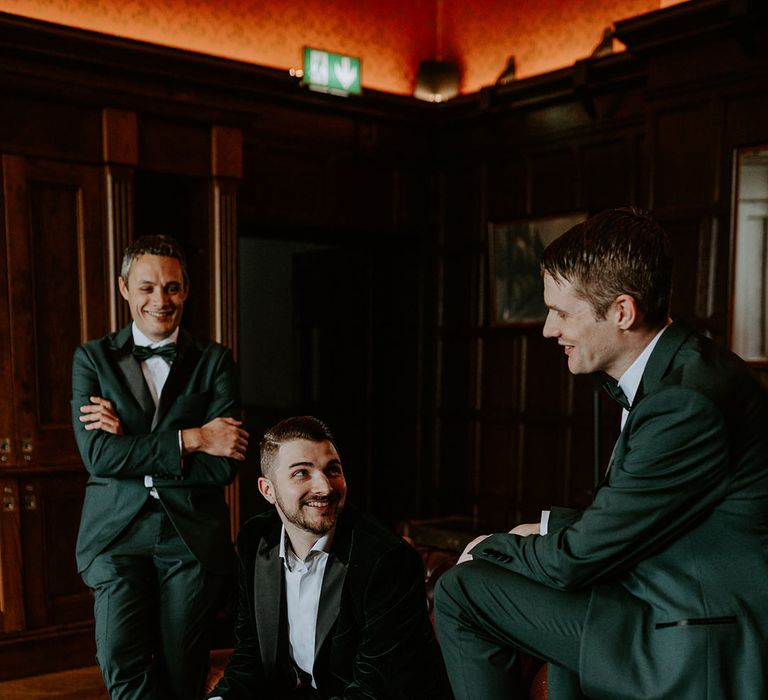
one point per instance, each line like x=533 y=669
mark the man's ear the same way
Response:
x=123 y=288
x=266 y=489
x=626 y=313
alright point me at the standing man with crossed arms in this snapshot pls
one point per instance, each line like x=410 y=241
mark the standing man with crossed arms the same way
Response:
x=156 y=419
x=658 y=589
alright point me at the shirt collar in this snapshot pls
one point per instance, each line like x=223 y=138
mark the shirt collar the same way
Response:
x=629 y=382
x=287 y=554
x=140 y=339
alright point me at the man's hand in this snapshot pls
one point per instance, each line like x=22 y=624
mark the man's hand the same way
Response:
x=521 y=530
x=526 y=529
x=100 y=415
x=222 y=437
x=465 y=555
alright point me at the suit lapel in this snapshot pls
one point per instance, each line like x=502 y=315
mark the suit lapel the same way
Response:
x=181 y=370
x=268 y=586
x=333 y=583
x=330 y=600
x=658 y=364
x=661 y=358
x=131 y=370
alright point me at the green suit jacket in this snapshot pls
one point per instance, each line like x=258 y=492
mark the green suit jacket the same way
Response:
x=200 y=387
x=675 y=544
x=373 y=637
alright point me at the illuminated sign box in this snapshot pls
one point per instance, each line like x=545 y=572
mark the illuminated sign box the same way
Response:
x=331 y=72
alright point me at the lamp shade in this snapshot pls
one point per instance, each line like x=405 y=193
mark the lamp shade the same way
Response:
x=437 y=81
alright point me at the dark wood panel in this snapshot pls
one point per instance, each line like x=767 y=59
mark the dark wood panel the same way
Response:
x=606 y=174
x=54 y=213
x=361 y=194
x=461 y=206
x=11 y=589
x=173 y=146
x=50 y=128
x=457 y=381
x=54 y=594
x=502 y=360
x=58 y=295
x=459 y=278
x=683 y=170
x=507 y=190
x=455 y=468
x=498 y=471
x=45 y=651
x=553 y=182
x=286 y=186
x=7 y=418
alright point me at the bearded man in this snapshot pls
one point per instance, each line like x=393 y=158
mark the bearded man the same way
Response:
x=332 y=604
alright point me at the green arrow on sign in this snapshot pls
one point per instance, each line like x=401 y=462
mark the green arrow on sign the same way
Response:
x=331 y=72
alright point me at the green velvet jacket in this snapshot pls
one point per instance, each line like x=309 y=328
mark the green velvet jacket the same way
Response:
x=373 y=637
x=674 y=547
x=202 y=385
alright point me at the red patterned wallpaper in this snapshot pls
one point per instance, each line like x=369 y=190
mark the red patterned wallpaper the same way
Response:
x=391 y=36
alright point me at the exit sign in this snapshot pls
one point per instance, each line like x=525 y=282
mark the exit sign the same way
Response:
x=331 y=72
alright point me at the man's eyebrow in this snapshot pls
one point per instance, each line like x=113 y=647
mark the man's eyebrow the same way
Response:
x=300 y=464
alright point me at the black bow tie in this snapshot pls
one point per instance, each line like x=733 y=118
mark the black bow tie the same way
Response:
x=617 y=394
x=168 y=352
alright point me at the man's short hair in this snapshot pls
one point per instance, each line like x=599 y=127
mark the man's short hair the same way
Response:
x=160 y=244
x=619 y=251
x=293 y=428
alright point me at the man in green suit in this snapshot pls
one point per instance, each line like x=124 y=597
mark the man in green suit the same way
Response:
x=658 y=588
x=155 y=415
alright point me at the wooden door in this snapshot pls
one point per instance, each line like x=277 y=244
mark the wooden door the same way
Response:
x=58 y=297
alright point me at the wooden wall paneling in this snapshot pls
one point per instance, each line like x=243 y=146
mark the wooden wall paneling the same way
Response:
x=121 y=154
x=223 y=291
x=693 y=248
x=682 y=168
x=174 y=146
x=56 y=129
x=50 y=514
x=361 y=193
x=396 y=365
x=606 y=174
x=508 y=194
x=553 y=182
x=120 y=207
x=58 y=275
x=12 y=617
x=454 y=483
x=284 y=186
x=496 y=480
x=7 y=413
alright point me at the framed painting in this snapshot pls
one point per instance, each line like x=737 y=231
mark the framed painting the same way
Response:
x=517 y=290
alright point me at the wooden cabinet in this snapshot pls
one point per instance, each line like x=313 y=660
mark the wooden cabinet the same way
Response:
x=54 y=297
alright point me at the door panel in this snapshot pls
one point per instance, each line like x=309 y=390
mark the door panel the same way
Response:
x=50 y=517
x=58 y=296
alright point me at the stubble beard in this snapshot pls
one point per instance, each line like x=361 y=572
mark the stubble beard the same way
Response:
x=298 y=518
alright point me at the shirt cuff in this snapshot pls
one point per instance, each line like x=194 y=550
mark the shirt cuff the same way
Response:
x=544 y=523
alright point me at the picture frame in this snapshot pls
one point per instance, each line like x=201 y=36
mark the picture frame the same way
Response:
x=517 y=289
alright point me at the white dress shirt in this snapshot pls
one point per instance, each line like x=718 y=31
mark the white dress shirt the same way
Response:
x=303 y=585
x=155 y=370
x=629 y=383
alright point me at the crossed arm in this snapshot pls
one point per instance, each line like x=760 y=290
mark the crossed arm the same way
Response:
x=221 y=437
x=110 y=450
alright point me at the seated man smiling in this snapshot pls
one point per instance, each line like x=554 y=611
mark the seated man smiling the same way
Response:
x=332 y=604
